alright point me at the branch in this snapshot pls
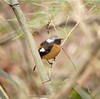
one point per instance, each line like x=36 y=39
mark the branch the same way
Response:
x=14 y=4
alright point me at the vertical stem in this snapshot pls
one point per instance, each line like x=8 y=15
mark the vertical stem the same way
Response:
x=31 y=42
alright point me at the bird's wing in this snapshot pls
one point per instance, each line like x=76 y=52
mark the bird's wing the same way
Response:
x=45 y=50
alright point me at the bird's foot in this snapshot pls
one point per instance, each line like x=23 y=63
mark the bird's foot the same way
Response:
x=55 y=59
x=50 y=63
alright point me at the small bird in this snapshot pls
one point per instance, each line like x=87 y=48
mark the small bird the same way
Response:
x=50 y=48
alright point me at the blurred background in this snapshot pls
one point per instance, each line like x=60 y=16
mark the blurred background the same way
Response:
x=77 y=21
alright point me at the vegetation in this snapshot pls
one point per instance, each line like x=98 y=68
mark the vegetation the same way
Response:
x=75 y=73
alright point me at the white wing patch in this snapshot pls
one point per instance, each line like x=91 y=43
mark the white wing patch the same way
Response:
x=42 y=50
x=49 y=40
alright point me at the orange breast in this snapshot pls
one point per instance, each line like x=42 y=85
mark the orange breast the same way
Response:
x=53 y=53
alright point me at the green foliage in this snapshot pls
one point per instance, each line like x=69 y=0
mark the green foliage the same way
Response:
x=81 y=93
x=3 y=92
x=18 y=36
x=91 y=3
x=53 y=8
x=9 y=78
x=2 y=96
x=10 y=81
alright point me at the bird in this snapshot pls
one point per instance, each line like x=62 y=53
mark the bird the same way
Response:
x=50 y=48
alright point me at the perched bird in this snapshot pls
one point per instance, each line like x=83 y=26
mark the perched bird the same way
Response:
x=50 y=48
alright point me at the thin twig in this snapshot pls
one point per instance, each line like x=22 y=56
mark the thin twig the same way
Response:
x=8 y=2
x=91 y=9
x=66 y=22
x=50 y=17
x=70 y=32
x=69 y=58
